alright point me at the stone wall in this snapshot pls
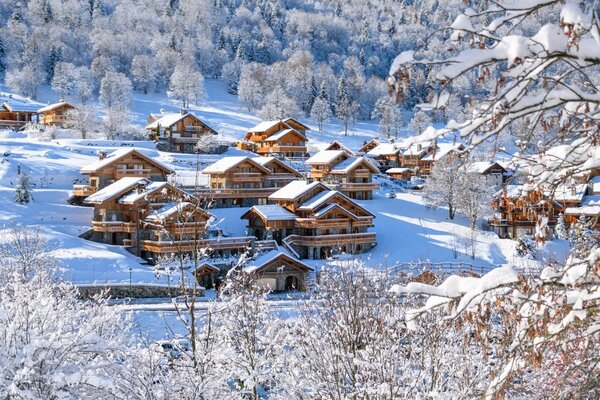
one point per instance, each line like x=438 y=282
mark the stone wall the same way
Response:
x=119 y=291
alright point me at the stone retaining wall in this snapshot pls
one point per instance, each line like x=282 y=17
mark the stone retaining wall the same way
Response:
x=135 y=291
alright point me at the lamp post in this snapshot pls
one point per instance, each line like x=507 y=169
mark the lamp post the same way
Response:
x=130 y=270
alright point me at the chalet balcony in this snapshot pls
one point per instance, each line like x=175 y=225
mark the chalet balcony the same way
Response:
x=12 y=122
x=249 y=193
x=83 y=190
x=113 y=226
x=137 y=173
x=281 y=149
x=311 y=223
x=169 y=246
x=53 y=119
x=331 y=240
x=246 y=177
x=355 y=187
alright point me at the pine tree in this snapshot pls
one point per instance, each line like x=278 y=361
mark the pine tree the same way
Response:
x=525 y=247
x=585 y=240
x=560 y=230
x=23 y=190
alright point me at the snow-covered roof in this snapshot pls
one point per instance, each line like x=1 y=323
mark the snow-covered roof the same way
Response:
x=54 y=106
x=325 y=157
x=397 y=170
x=350 y=163
x=282 y=134
x=479 y=167
x=595 y=184
x=590 y=206
x=330 y=207
x=263 y=160
x=167 y=120
x=265 y=126
x=19 y=106
x=273 y=212
x=168 y=210
x=315 y=201
x=340 y=145
x=117 y=155
x=570 y=193
x=384 y=149
x=226 y=163
x=266 y=258
x=294 y=189
x=442 y=150
x=119 y=187
x=416 y=149
x=136 y=195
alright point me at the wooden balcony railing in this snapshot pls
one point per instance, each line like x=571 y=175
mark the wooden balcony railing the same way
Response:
x=141 y=173
x=113 y=226
x=355 y=187
x=83 y=190
x=169 y=246
x=53 y=119
x=250 y=193
x=12 y=122
x=281 y=149
x=332 y=240
x=246 y=177
x=332 y=223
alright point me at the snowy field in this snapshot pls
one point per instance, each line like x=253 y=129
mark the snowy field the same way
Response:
x=407 y=231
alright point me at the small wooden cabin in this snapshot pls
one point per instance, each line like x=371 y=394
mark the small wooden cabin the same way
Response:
x=368 y=146
x=121 y=163
x=495 y=173
x=283 y=138
x=400 y=173
x=55 y=114
x=177 y=132
x=437 y=152
x=278 y=272
x=16 y=114
x=337 y=145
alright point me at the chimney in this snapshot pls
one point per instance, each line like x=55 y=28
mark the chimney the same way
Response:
x=101 y=155
x=139 y=188
x=183 y=111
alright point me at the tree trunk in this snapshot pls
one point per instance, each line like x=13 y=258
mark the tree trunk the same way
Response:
x=451 y=211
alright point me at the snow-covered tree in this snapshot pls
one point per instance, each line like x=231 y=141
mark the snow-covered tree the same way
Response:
x=443 y=185
x=207 y=144
x=186 y=83
x=26 y=80
x=585 y=242
x=321 y=111
x=278 y=106
x=23 y=189
x=474 y=195
x=390 y=119
x=250 y=88
x=560 y=230
x=65 y=79
x=83 y=119
x=418 y=123
x=144 y=72
x=116 y=91
x=525 y=247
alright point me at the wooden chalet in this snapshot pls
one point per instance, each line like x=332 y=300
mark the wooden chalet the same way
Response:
x=206 y=275
x=245 y=181
x=312 y=221
x=495 y=173
x=16 y=114
x=400 y=173
x=368 y=146
x=177 y=132
x=412 y=156
x=351 y=175
x=434 y=153
x=153 y=219
x=55 y=114
x=122 y=163
x=589 y=206
x=386 y=155
x=281 y=138
x=519 y=209
x=278 y=271
x=337 y=145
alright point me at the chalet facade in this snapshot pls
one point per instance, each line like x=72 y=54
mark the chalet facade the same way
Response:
x=436 y=153
x=495 y=173
x=312 y=221
x=245 y=181
x=520 y=209
x=348 y=174
x=149 y=218
x=177 y=132
x=123 y=163
x=337 y=145
x=55 y=114
x=278 y=271
x=589 y=206
x=281 y=138
x=16 y=114
x=368 y=146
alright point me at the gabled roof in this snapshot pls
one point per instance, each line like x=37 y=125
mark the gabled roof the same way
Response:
x=340 y=146
x=326 y=157
x=117 y=155
x=208 y=266
x=227 y=163
x=326 y=210
x=135 y=195
x=267 y=161
x=416 y=149
x=54 y=106
x=481 y=167
x=384 y=149
x=171 y=209
x=168 y=120
x=270 y=212
x=369 y=143
x=349 y=164
x=266 y=125
x=397 y=170
x=266 y=259
x=115 y=189
x=442 y=150
x=19 y=106
x=295 y=189
x=322 y=198
x=283 y=133
x=293 y=121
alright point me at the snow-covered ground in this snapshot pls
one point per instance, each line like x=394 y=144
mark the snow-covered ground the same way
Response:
x=407 y=231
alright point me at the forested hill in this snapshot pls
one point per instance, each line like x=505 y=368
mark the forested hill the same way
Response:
x=308 y=44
